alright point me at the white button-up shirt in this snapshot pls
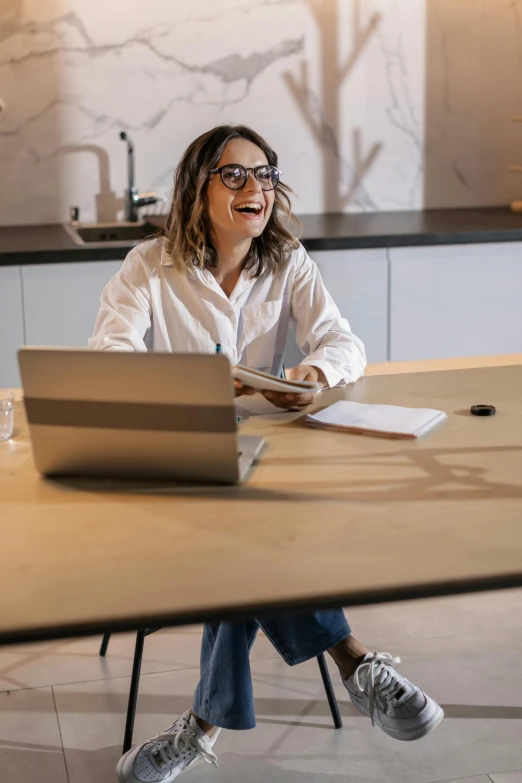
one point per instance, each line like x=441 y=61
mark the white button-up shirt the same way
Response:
x=150 y=305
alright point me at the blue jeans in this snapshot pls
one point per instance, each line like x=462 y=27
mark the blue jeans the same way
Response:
x=224 y=696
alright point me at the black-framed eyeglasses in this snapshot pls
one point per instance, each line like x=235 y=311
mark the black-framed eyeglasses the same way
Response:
x=235 y=176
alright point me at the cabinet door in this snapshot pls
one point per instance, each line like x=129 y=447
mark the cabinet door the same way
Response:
x=457 y=300
x=61 y=301
x=358 y=283
x=11 y=325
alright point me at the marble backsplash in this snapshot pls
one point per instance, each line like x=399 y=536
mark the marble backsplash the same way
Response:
x=371 y=104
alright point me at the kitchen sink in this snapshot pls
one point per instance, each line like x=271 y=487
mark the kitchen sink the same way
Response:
x=110 y=233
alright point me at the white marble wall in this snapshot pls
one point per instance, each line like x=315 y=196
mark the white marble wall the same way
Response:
x=371 y=104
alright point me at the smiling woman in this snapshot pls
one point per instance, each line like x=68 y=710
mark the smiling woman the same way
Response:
x=228 y=185
x=229 y=271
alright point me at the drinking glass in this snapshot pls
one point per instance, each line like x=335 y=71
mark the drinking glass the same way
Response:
x=6 y=415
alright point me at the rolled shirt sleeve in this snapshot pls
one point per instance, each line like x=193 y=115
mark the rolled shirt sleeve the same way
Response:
x=322 y=334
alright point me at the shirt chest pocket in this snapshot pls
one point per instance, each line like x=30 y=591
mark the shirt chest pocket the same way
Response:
x=264 y=329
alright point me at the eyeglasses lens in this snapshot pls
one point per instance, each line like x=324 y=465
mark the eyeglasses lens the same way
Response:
x=235 y=177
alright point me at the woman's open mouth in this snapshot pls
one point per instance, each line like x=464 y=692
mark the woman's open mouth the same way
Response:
x=251 y=210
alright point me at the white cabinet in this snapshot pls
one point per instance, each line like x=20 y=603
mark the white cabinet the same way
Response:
x=358 y=283
x=404 y=303
x=11 y=325
x=61 y=301
x=455 y=300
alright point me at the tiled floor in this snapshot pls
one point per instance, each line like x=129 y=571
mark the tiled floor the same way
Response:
x=62 y=707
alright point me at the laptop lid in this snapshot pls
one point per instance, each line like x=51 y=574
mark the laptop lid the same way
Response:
x=127 y=414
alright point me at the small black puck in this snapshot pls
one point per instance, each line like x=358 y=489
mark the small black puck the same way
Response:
x=483 y=410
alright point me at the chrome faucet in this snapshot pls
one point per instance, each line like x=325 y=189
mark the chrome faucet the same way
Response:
x=134 y=200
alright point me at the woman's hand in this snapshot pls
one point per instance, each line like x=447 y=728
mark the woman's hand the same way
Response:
x=292 y=401
x=241 y=389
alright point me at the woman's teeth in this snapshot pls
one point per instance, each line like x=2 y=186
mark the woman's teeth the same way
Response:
x=250 y=207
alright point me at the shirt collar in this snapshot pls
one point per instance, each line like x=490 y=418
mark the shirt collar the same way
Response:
x=165 y=259
x=245 y=280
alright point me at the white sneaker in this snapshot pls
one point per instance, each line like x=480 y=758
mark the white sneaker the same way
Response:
x=399 y=708
x=163 y=758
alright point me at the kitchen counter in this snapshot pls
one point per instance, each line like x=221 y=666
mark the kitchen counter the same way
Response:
x=45 y=244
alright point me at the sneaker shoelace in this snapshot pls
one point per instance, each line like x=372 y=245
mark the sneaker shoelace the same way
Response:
x=169 y=748
x=376 y=676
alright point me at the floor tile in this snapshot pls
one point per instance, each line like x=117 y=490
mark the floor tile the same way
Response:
x=476 y=677
x=507 y=777
x=77 y=660
x=481 y=779
x=30 y=744
x=383 y=624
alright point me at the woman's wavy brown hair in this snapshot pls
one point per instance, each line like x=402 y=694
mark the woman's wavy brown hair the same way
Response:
x=187 y=232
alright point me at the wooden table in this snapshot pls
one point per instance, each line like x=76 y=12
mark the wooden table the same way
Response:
x=326 y=519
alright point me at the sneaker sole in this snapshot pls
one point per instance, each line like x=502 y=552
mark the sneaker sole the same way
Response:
x=406 y=736
x=118 y=773
x=119 y=768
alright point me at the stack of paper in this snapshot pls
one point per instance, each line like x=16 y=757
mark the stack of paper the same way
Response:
x=263 y=381
x=389 y=421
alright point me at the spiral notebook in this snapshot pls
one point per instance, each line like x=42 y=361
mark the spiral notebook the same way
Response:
x=386 y=421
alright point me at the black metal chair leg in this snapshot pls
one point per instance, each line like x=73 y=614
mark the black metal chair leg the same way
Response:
x=104 y=644
x=330 y=695
x=133 y=693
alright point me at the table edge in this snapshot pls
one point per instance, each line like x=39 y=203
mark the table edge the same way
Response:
x=236 y=613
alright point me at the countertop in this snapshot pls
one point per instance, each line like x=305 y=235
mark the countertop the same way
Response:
x=45 y=244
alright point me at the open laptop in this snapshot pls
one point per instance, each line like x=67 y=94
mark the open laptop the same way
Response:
x=134 y=415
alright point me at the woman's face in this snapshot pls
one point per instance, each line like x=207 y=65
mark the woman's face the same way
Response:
x=224 y=204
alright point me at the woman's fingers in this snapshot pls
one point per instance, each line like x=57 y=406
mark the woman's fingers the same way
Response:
x=240 y=389
x=289 y=401
x=304 y=372
x=301 y=373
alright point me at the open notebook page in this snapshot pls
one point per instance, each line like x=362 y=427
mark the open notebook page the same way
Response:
x=386 y=420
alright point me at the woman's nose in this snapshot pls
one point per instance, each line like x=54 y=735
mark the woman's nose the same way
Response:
x=252 y=185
